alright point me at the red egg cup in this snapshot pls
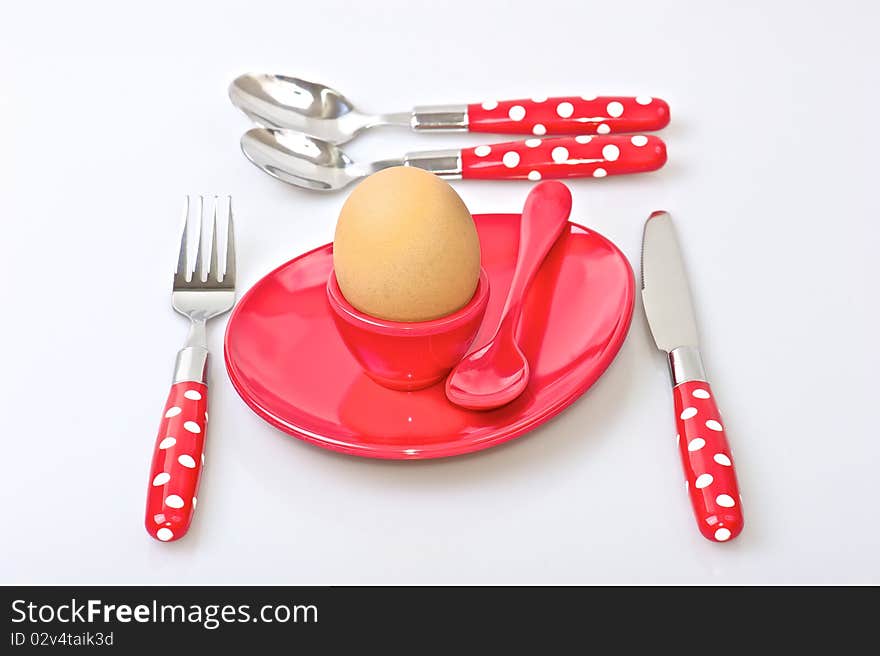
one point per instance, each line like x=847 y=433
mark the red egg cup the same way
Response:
x=405 y=355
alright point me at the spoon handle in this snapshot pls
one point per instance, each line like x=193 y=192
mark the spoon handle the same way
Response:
x=564 y=157
x=545 y=216
x=569 y=115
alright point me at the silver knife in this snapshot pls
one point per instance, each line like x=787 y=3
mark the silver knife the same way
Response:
x=705 y=453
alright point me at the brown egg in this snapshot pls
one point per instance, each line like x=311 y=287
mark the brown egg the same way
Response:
x=406 y=248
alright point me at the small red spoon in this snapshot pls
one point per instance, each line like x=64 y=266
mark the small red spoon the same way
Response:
x=498 y=372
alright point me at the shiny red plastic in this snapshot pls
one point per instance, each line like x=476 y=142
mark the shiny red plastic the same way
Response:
x=177 y=462
x=569 y=115
x=408 y=355
x=286 y=360
x=708 y=463
x=564 y=157
x=495 y=374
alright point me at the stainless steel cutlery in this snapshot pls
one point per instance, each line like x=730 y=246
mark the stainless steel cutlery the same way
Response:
x=311 y=163
x=280 y=101
x=301 y=124
x=200 y=292
x=702 y=442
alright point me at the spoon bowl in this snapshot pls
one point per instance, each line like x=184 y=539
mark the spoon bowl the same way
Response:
x=490 y=377
x=280 y=101
x=297 y=159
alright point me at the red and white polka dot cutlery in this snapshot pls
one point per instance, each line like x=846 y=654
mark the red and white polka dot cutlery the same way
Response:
x=279 y=101
x=705 y=453
x=569 y=115
x=311 y=163
x=583 y=156
x=200 y=293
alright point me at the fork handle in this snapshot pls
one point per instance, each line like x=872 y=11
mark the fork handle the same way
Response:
x=178 y=457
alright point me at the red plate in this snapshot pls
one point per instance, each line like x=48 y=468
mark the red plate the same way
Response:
x=288 y=364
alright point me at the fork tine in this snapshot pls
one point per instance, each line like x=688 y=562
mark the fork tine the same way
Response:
x=214 y=268
x=198 y=269
x=182 y=269
x=229 y=270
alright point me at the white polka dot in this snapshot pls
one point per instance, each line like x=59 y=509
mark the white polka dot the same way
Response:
x=614 y=108
x=600 y=173
x=677 y=438
x=644 y=100
x=533 y=143
x=703 y=480
x=534 y=175
x=195 y=502
x=482 y=151
x=611 y=152
x=725 y=501
x=539 y=129
x=565 y=109
x=559 y=154
x=172 y=412
x=696 y=444
x=589 y=97
x=714 y=425
x=192 y=395
x=722 y=534
x=167 y=442
x=192 y=427
x=639 y=140
x=700 y=393
x=721 y=459
x=510 y=159
x=206 y=416
x=173 y=501
x=603 y=128
x=161 y=479
x=687 y=413
x=203 y=458
x=517 y=113
x=539 y=99
x=164 y=534
x=489 y=105
x=583 y=138
x=187 y=461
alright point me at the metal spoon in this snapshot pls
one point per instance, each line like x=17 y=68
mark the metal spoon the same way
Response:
x=498 y=372
x=311 y=163
x=279 y=101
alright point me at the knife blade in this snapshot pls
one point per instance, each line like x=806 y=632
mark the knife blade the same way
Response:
x=705 y=452
x=665 y=290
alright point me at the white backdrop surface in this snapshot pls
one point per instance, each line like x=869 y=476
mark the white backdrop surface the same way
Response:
x=110 y=115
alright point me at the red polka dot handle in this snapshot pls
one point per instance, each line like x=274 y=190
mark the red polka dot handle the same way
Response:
x=177 y=462
x=569 y=115
x=564 y=157
x=708 y=464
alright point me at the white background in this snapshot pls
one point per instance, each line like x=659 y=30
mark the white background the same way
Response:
x=110 y=115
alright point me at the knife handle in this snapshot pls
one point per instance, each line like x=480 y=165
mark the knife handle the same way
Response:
x=708 y=464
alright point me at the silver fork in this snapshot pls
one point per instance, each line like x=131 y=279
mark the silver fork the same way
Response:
x=199 y=294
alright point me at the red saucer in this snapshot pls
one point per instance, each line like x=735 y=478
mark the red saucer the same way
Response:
x=287 y=362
